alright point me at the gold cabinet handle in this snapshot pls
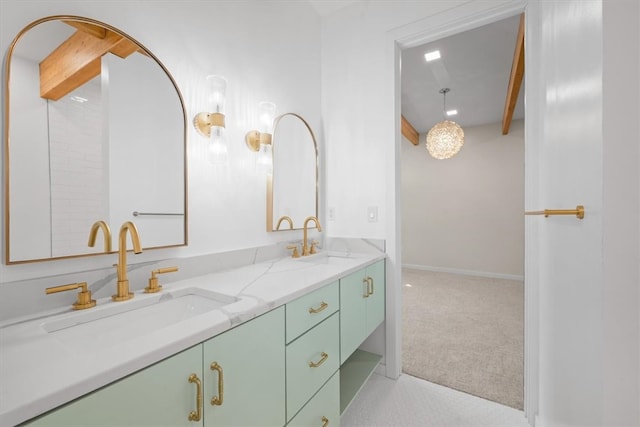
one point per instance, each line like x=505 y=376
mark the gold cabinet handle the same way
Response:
x=366 y=292
x=218 y=400
x=197 y=414
x=370 y=285
x=325 y=421
x=323 y=305
x=323 y=359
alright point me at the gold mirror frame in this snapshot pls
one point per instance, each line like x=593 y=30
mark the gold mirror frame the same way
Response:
x=271 y=226
x=7 y=142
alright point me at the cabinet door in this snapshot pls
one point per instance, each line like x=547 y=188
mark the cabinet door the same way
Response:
x=160 y=395
x=323 y=409
x=376 y=299
x=248 y=378
x=353 y=295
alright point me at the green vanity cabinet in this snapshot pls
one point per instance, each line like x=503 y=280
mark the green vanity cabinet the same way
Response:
x=362 y=296
x=244 y=373
x=160 y=395
x=248 y=381
x=297 y=365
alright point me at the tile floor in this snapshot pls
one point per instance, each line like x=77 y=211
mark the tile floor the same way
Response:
x=413 y=402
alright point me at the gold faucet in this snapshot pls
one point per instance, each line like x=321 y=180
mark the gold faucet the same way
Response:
x=305 y=247
x=285 y=218
x=122 y=290
x=83 y=300
x=94 y=232
x=154 y=285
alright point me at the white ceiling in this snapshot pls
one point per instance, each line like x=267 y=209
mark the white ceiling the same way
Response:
x=475 y=65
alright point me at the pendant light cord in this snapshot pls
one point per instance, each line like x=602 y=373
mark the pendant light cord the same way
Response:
x=444 y=91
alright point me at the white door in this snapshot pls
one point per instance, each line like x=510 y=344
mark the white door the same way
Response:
x=563 y=268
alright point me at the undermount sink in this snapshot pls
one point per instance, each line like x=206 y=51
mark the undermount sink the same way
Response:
x=105 y=325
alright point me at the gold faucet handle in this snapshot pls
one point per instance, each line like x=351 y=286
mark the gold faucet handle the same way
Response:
x=313 y=247
x=154 y=286
x=295 y=253
x=84 y=296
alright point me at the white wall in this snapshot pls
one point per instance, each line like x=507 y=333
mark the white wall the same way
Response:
x=357 y=109
x=465 y=214
x=266 y=50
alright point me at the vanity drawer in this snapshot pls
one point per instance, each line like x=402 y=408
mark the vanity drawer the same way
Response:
x=311 y=360
x=323 y=409
x=309 y=310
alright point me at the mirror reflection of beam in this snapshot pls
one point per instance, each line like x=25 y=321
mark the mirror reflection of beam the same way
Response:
x=78 y=59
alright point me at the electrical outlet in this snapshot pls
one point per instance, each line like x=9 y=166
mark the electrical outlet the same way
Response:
x=332 y=213
x=372 y=213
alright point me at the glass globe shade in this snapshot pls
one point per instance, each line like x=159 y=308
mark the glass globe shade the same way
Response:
x=445 y=139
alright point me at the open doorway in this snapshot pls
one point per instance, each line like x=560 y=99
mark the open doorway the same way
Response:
x=462 y=222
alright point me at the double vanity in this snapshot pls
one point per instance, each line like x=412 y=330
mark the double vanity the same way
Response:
x=272 y=343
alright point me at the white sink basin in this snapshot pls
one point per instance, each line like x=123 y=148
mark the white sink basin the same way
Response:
x=116 y=322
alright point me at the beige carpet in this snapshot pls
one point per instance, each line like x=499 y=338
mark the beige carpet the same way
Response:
x=466 y=333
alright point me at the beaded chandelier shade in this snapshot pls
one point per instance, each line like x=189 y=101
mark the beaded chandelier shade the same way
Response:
x=445 y=138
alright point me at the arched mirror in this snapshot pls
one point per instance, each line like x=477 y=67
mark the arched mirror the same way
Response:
x=293 y=190
x=95 y=130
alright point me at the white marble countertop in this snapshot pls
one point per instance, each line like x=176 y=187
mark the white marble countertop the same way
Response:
x=39 y=372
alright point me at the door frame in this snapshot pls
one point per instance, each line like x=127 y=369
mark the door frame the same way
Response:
x=453 y=21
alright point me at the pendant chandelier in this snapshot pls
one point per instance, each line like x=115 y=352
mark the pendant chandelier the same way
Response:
x=445 y=138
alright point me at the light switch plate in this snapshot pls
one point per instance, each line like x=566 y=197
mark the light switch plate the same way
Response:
x=372 y=213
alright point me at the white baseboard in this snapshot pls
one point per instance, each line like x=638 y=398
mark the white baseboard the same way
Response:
x=464 y=272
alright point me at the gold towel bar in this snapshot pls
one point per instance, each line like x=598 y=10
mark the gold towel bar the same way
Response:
x=578 y=212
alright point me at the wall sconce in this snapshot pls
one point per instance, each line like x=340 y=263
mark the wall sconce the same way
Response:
x=211 y=124
x=260 y=140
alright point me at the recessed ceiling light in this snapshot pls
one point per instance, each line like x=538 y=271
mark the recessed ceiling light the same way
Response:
x=78 y=99
x=452 y=112
x=432 y=56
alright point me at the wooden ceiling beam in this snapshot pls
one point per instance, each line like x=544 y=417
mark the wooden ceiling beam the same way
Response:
x=515 y=80
x=124 y=48
x=92 y=29
x=78 y=59
x=409 y=132
x=121 y=49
